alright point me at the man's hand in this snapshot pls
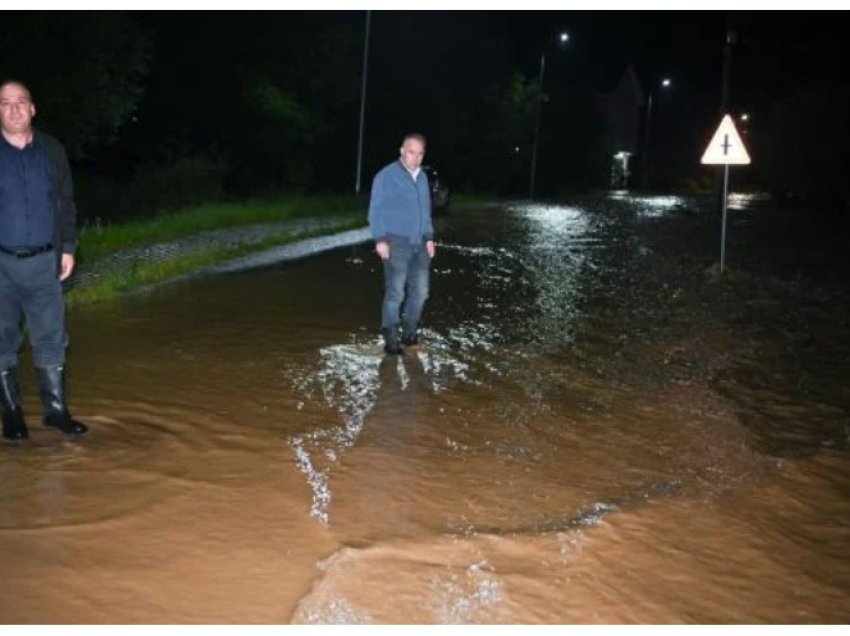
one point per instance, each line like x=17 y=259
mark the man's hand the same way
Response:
x=429 y=245
x=383 y=250
x=67 y=265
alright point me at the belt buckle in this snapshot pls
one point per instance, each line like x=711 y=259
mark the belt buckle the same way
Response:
x=33 y=251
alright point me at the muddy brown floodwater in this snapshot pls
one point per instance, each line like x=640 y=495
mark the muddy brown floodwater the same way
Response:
x=596 y=429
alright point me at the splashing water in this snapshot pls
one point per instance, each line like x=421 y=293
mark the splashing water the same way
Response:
x=347 y=379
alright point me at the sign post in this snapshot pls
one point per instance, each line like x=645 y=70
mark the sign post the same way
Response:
x=725 y=148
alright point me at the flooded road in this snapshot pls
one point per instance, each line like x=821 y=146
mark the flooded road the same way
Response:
x=596 y=429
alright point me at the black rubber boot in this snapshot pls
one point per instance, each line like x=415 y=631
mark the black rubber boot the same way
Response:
x=14 y=426
x=392 y=347
x=409 y=335
x=51 y=387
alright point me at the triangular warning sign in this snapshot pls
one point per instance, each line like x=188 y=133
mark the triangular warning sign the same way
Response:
x=726 y=146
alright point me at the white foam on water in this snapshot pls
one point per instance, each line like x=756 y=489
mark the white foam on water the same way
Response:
x=468 y=598
x=347 y=381
x=338 y=611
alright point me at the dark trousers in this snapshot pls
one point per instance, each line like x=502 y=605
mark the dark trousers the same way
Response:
x=406 y=280
x=30 y=290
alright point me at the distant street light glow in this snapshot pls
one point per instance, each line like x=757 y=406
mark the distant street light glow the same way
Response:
x=666 y=82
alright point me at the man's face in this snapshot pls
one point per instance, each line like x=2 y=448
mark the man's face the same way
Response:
x=412 y=153
x=16 y=109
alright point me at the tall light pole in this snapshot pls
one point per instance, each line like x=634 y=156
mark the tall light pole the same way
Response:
x=362 y=103
x=563 y=38
x=665 y=83
x=722 y=185
x=726 y=75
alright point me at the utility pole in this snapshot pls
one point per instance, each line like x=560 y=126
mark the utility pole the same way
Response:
x=537 y=125
x=647 y=124
x=722 y=182
x=563 y=38
x=731 y=40
x=362 y=104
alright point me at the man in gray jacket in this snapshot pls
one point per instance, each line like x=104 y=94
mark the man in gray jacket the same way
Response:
x=400 y=222
x=37 y=244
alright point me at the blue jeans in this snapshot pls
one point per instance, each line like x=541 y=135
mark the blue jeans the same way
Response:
x=406 y=278
x=30 y=289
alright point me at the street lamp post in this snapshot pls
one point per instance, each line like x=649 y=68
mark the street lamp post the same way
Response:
x=563 y=38
x=665 y=83
x=722 y=184
x=362 y=104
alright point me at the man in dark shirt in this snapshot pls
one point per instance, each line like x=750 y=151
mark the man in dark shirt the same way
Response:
x=37 y=245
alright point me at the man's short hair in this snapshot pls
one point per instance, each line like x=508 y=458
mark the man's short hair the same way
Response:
x=417 y=136
x=11 y=80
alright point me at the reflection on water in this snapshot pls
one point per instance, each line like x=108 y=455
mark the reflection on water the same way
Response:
x=650 y=206
x=559 y=250
x=745 y=200
x=593 y=430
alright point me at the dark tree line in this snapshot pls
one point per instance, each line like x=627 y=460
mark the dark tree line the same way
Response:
x=166 y=108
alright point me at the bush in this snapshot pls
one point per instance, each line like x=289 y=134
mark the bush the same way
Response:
x=185 y=181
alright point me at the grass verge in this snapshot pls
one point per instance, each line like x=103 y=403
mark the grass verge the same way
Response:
x=128 y=277
x=97 y=240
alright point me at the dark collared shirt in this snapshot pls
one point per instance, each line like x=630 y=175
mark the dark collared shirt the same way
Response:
x=26 y=195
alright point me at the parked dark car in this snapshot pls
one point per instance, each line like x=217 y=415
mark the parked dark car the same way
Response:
x=440 y=194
